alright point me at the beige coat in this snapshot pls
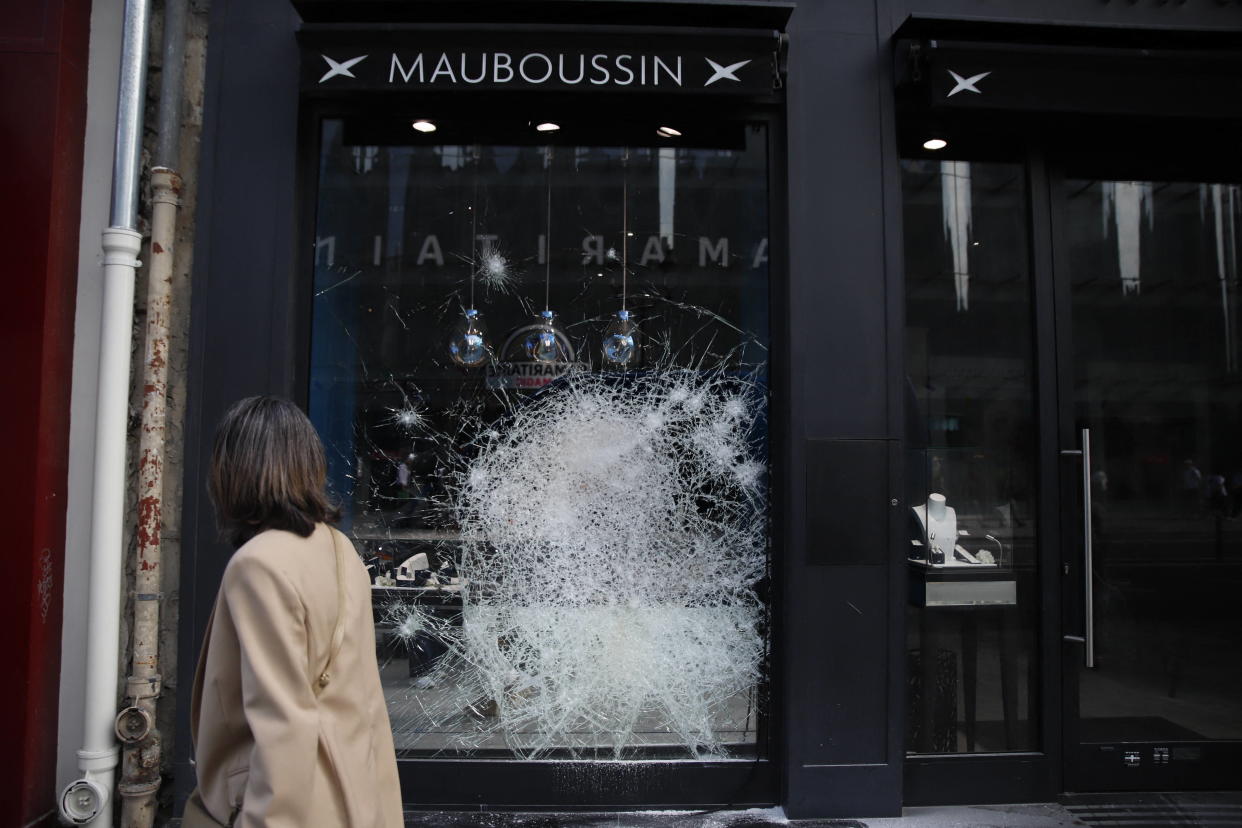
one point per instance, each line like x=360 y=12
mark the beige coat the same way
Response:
x=261 y=735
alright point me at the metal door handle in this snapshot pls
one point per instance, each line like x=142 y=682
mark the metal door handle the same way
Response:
x=1088 y=564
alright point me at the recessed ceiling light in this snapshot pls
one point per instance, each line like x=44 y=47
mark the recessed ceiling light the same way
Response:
x=935 y=144
x=547 y=126
x=423 y=125
x=668 y=132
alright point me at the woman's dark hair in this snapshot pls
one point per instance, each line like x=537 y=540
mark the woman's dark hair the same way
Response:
x=268 y=471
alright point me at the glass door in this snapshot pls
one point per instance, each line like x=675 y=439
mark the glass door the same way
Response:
x=1151 y=441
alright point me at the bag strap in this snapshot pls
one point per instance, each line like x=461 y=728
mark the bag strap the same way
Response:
x=338 y=632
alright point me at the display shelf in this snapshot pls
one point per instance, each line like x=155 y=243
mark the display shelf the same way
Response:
x=961 y=586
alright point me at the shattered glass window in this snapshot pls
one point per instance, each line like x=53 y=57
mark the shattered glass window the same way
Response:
x=541 y=373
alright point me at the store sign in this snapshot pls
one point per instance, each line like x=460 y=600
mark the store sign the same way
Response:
x=425 y=63
x=516 y=370
x=528 y=376
x=1055 y=79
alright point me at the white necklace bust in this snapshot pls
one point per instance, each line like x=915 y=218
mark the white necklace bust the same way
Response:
x=939 y=522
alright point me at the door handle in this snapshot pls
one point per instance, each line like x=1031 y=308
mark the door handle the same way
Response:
x=1088 y=563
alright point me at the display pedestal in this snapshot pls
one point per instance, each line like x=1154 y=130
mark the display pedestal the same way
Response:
x=960 y=600
x=961 y=586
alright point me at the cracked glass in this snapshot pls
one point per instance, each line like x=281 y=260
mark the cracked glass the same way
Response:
x=541 y=374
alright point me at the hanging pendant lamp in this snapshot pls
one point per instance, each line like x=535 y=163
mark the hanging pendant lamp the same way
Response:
x=468 y=346
x=544 y=343
x=620 y=344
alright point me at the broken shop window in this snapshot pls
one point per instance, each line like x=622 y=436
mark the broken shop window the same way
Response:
x=549 y=434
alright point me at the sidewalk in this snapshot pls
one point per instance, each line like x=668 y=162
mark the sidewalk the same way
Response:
x=1139 y=810
x=1220 y=810
x=1044 y=815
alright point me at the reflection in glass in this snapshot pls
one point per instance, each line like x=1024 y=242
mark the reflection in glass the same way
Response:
x=1157 y=381
x=955 y=202
x=970 y=464
x=1127 y=210
x=468 y=342
x=543 y=342
x=621 y=341
x=409 y=432
x=1222 y=205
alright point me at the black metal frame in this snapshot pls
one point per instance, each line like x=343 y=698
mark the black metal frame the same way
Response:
x=1091 y=767
x=747 y=13
x=1046 y=145
x=1021 y=776
x=498 y=784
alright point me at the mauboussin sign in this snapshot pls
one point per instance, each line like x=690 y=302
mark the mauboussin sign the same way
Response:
x=732 y=66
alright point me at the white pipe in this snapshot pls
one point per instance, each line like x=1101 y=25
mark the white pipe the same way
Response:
x=98 y=756
x=105 y=56
x=89 y=800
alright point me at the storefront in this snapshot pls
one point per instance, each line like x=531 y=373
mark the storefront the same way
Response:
x=1077 y=391
x=717 y=438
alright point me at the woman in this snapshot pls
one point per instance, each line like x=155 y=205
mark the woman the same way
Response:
x=277 y=742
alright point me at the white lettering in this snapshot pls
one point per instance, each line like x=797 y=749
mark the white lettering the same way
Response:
x=603 y=70
x=482 y=69
x=560 y=65
x=396 y=67
x=593 y=250
x=497 y=65
x=653 y=251
x=718 y=252
x=761 y=254
x=443 y=67
x=624 y=67
x=675 y=76
x=430 y=250
x=522 y=67
x=503 y=71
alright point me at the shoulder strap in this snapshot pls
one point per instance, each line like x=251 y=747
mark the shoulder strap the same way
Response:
x=338 y=632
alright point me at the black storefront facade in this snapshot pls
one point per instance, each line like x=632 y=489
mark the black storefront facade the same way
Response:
x=938 y=330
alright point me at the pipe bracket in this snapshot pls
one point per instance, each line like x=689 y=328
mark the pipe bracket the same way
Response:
x=138 y=688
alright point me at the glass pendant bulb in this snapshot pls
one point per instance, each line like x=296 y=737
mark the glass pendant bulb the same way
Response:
x=468 y=342
x=543 y=343
x=621 y=341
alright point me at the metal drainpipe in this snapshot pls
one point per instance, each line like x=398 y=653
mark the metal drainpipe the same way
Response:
x=88 y=800
x=136 y=724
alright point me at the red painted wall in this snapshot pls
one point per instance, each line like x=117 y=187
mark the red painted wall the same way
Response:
x=43 y=60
